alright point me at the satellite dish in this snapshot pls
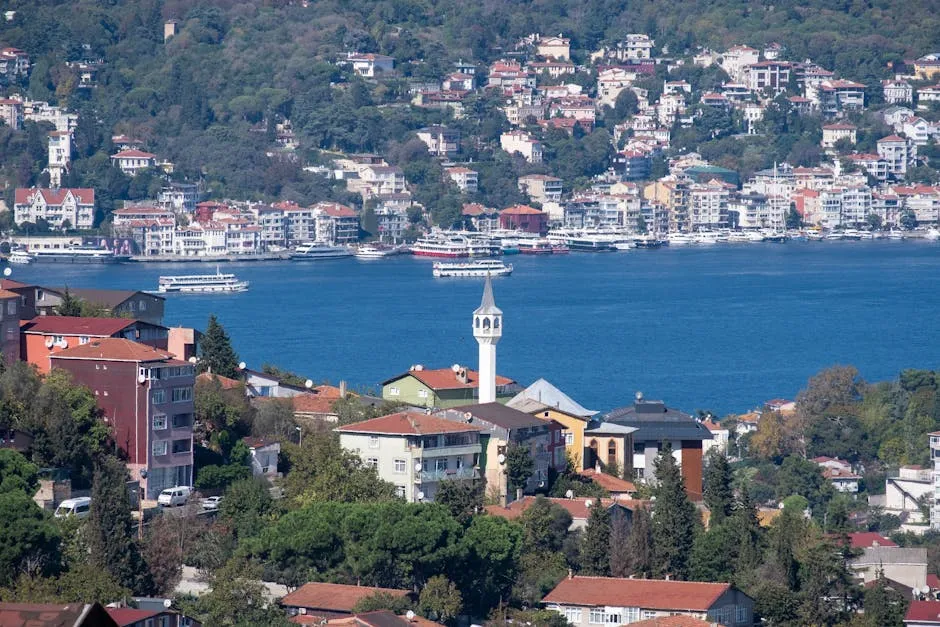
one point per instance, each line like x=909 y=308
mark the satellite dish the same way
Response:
x=410 y=615
x=242 y=365
x=167 y=603
x=501 y=458
x=420 y=496
x=455 y=367
x=49 y=342
x=588 y=503
x=569 y=494
x=468 y=416
x=7 y=271
x=192 y=360
x=308 y=383
x=141 y=379
x=418 y=466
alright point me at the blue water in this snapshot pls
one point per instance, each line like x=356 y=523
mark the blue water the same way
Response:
x=722 y=328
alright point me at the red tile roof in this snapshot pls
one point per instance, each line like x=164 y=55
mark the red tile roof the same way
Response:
x=129 y=615
x=8 y=294
x=933 y=582
x=608 y=482
x=83 y=195
x=408 y=423
x=114 y=349
x=307 y=403
x=133 y=154
x=577 y=507
x=867 y=539
x=643 y=593
x=336 y=210
x=382 y=618
x=10 y=284
x=923 y=612
x=67 y=325
x=518 y=210
x=333 y=597
x=446 y=379
x=225 y=382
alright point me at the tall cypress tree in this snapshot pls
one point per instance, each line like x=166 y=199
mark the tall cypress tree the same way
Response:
x=673 y=518
x=110 y=528
x=718 y=493
x=595 y=543
x=748 y=534
x=640 y=544
x=216 y=352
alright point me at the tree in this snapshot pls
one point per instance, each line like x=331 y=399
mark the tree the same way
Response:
x=274 y=417
x=884 y=605
x=440 y=600
x=110 y=529
x=620 y=558
x=17 y=474
x=748 y=535
x=718 y=494
x=827 y=591
x=713 y=554
x=519 y=466
x=216 y=354
x=492 y=546
x=794 y=219
x=322 y=470
x=236 y=598
x=462 y=498
x=908 y=220
x=673 y=518
x=786 y=535
x=163 y=551
x=595 y=542
x=69 y=305
x=640 y=544
x=874 y=221
x=29 y=540
x=803 y=477
x=246 y=505
x=383 y=601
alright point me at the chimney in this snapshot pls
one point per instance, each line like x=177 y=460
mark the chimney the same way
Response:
x=462 y=376
x=668 y=577
x=597 y=466
x=570 y=574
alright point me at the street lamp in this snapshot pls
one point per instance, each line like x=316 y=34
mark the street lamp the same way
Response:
x=300 y=431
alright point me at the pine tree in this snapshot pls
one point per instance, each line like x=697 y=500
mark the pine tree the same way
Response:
x=69 y=306
x=640 y=544
x=718 y=493
x=673 y=518
x=216 y=352
x=620 y=557
x=110 y=528
x=884 y=606
x=748 y=534
x=595 y=543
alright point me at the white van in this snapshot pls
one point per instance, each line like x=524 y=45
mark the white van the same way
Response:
x=171 y=497
x=80 y=507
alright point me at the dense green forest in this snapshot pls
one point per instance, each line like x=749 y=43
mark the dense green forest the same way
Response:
x=208 y=98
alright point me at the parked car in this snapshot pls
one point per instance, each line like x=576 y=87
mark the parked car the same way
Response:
x=171 y=497
x=211 y=503
x=79 y=507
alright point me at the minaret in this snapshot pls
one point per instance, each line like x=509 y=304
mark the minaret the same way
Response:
x=487 y=329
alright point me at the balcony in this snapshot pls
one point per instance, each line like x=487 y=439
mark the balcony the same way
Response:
x=446 y=451
x=429 y=476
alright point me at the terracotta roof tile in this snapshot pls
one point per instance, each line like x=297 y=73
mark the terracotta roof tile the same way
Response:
x=678 y=620
x=55 y=196
x=113 y=349
x=446 y=379
x=333 y=597
x=519 y=210
x=129 y=615
x=866 y=539
x=608 y=482
x=923 y=612
x=133 y=154
x=225 y=382
x=644 y=593
x=67 y=325
x=408 y=423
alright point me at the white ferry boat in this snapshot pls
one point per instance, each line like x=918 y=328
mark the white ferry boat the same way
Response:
x=319 y=250
x=19 y=257
x=370 y=251
x=483 y=267
x=201 y=283
x=539 y=246
x=78 y=254
x=441 y=246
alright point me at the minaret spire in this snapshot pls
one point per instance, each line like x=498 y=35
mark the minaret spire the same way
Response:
x=487 y=329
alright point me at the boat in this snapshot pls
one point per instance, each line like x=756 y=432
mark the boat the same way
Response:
x=933 y=234
x=373 y=251
x=441 y=246
x=680 y=239
x=535 y=246
x=484 y=247
x=483 y=267
x=560 y=249
x=648 y=241
x=704 y=237
x=895 y=235
x=19 y=257
x=217 y=283
x=776 y=237
x=319 y=250
x=78 y=254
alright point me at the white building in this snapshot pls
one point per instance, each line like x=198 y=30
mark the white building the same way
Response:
x=11 y=113
x=76 y=206
x=60 y=156
x=736 y=59
x=415 y=451
x=541 y=188
x=898 y=152
x=200 y=239
x=465 y=179
x=720 y=438
x=831 y=133
x=130 y=162
x=441 y=141
x=521 y=143
x=708 y=204
x=336 y=223
x=370 y=65
x=897 y=92
x=264 y=454
x=637 y=46
x=558 y=48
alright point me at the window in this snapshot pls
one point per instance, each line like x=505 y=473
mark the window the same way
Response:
x=569 y=438
x=598 y=616
x=460 y=463
x=182 y=446
x=11 y=307
x=372 y=462
x=159 y=422
x=182 y=420
x=159 y=447
x=84 y=339
x=181 y=395
x=400 y=491
x=440 y=464
x=422 y=393
x=740 y=614
x=573 y=615
x=647 y=614
x=394 y=391
x=143 y=305
x=400 y=466
x=373 y=441
x=158 y=396
x=631 y=614
x=613 y=619
x=57 y=338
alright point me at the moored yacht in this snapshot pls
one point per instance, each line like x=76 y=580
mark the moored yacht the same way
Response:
x=479 y=268
x=319 y=250
x=441 y=246
x=374 y=251
x=78 y=254
x=19 y=257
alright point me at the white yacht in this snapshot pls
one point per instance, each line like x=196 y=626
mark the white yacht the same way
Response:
x=78 y=254
x=441 y=246
x=373 y=251
x=680 y=239
x=319 y=250
x=20 y=257
x=482 y=267
x=217 y=283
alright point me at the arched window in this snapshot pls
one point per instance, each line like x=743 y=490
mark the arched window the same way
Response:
x=495 y=323
x=477 y=322
x=486 y=323
x=611 y=453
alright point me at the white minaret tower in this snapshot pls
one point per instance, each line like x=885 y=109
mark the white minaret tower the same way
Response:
x=487 y=329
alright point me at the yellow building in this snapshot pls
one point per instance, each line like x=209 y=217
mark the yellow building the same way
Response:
x=587 y=440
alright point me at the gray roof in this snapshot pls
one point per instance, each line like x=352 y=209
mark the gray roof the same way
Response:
x=608 y=428
x=105 y=298
x=875 y=555
x=496 y=414
x=488 y=304
x=655 y=421
x=542 y=395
